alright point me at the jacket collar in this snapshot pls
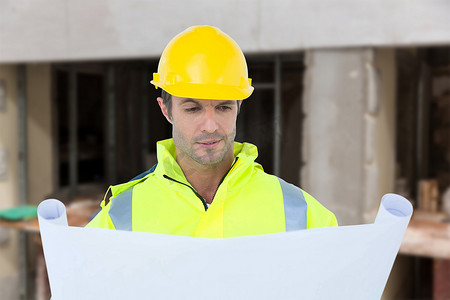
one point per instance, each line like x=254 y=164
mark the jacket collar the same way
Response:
x=245 y=153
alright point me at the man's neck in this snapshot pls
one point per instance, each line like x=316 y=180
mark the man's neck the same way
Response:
x=205 y=179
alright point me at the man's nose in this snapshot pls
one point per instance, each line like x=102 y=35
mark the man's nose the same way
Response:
x=209 y=123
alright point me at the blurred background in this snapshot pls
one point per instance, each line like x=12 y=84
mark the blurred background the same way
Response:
x=351 y=101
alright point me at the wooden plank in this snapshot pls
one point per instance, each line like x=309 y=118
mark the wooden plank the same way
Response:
x=427 y=238
x=78 y=214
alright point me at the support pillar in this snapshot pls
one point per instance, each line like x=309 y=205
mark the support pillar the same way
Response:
x=349 y=130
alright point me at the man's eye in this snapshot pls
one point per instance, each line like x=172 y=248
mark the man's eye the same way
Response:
x=224 y=107
x=191 y=109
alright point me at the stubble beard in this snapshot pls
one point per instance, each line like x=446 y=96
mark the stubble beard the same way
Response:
x=210 y=157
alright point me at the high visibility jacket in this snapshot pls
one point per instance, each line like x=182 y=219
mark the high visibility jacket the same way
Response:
x=248 y=201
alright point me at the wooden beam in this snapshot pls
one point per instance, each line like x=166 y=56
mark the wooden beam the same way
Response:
x=428 y=238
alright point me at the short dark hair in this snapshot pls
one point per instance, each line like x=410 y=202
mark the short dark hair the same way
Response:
x=167 y=100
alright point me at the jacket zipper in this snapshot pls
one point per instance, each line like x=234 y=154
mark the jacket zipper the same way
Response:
x=195 y=192
x=223 y=178
x=205 y=205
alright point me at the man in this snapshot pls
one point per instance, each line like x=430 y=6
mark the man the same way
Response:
x=204 y=183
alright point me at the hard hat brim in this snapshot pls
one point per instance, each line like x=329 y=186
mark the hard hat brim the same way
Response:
x=211 y=91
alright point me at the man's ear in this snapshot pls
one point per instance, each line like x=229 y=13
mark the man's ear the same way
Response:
x=164 y=109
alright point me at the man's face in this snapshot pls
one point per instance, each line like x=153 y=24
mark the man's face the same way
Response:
x=203 y=130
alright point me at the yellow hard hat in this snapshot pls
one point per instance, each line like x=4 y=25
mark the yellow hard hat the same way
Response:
x=203 y=62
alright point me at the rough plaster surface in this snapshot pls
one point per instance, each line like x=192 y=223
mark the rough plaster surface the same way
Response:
x=380 y=125
x=371 y=198
x=370 y=123
x=349 y=130
x=53 y=30
x=333 y=132
x=373 y=97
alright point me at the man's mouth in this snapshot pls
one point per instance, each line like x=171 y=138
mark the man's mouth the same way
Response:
x=209 y=143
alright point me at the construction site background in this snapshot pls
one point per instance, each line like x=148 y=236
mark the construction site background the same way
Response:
x=351 y=101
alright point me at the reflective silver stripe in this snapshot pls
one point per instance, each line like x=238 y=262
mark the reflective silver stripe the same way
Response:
x=120 y=211
x=294 y=206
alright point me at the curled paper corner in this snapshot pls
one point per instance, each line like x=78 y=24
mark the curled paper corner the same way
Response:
x=397 y=205
x=52 y=210
x=394 y=208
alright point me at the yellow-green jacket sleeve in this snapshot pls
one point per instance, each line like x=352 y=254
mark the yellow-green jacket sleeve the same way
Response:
x=102 y=219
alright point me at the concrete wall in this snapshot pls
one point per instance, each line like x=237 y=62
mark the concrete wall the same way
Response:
x=349 y=136
x=333 y=148
x=54 y=30
x=384 y=115
x=9 y=271
x=349 y=130
x=40 y=156
x=379 y=124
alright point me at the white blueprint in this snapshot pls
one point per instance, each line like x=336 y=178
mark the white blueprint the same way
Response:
x=347 y=262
